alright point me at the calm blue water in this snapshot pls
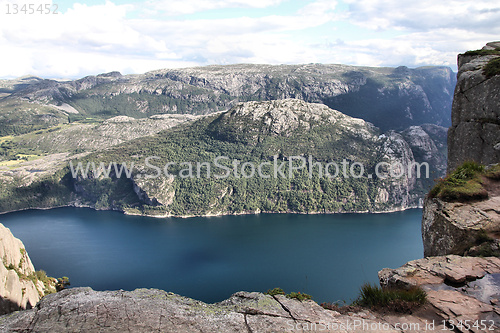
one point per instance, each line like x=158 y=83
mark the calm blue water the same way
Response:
x=327 y=256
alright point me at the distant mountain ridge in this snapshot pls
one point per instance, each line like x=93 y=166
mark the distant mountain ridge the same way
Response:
x=390 y=98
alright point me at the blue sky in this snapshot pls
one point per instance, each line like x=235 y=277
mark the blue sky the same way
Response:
x=138 y=36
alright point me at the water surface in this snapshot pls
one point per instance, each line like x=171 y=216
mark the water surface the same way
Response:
x=327 y=256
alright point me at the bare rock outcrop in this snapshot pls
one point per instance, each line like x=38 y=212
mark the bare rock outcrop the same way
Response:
x=459 y=290
x=19 y=287
x=152 y=310
x=475 y=130
x=456 y=227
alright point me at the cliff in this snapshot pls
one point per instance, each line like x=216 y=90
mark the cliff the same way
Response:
x=475 y=130
x=461 y=214
x=20 y=287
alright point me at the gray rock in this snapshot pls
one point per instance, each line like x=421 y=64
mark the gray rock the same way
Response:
x=475 y=129
x=454 y=227
x=151 y=310
x=451 y=295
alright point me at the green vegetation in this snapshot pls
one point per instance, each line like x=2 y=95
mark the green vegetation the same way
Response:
x=299 y=296
x=49 y=283
x=394 y=300
x=483 y=237
x=482 y=52
x=463 y=184
x=207 y=138
x=492 y=68
x=62 y=283
x=19 y=117
x=239 y=138
x=275 y=291
x=295 y=295
x=493 y=172
x=52 y=191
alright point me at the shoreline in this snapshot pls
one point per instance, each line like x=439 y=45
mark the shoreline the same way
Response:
x=395 y=210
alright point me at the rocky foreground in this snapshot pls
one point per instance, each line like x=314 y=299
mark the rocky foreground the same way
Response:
x=458 y=288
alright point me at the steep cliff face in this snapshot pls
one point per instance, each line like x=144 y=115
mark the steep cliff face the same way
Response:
x=475 y=131
x=472 y=227
x=19 y=285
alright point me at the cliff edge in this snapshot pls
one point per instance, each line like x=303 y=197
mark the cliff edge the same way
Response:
x=462 y=213
x=475 y=118
x=20 y=286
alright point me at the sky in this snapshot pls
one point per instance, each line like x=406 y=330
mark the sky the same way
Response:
x=98 y=36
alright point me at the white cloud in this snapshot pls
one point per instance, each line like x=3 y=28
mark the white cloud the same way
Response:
x=100 y=38
x=437 y=47
x=182 y=7
x=425 y=15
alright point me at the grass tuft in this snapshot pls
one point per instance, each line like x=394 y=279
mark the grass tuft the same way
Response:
x=394 y=300
x=463 y=184
x=482 y=52
x=492 y=68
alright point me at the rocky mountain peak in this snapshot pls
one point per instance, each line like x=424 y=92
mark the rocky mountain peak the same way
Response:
x=249 y=121
x=285 y=116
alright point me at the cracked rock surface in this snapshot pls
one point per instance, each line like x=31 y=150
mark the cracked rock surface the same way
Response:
x=458 y=289
x=152 y=310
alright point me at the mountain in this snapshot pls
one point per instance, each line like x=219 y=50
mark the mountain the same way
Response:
x=269 y=134
x=390 y=98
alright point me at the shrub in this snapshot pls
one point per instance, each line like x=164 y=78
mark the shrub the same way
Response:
x=394 y=300
x=298 y=295
x=62 y=283
x=483 y=237
x=492 y=68
x=275 y=291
